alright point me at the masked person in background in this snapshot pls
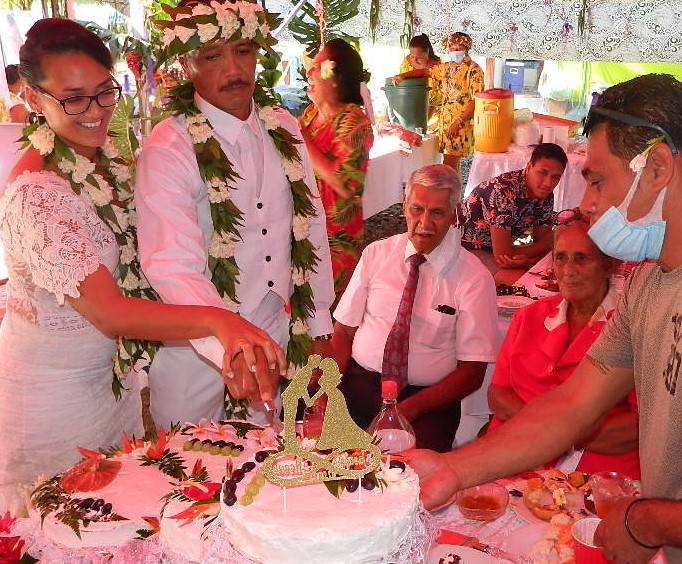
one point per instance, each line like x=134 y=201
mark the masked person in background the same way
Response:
x=458 y=80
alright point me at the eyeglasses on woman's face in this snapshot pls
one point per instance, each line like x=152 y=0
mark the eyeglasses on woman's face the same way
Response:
x=76 y=105
x=565 y=217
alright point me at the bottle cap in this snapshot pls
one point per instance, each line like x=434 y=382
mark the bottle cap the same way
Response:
x=389 y=389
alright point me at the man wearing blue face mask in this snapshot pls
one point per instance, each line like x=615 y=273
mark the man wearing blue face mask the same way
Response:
x=633 y=171
x=458 y=80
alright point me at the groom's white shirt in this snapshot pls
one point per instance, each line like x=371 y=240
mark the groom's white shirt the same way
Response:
x=175 y=229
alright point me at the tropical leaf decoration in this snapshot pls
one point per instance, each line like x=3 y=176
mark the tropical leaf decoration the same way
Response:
x=121 y=130
x=306 y=29
x=408 y=24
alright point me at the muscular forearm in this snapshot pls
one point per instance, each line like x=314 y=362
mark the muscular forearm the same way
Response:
x=615 y=435
x=465 y=379
x=657 y=522
x=542 y=431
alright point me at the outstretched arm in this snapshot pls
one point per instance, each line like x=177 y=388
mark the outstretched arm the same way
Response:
x=544 y=429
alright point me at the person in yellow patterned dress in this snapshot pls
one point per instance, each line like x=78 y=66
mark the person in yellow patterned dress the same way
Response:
x=458 y=80
x=422 y=56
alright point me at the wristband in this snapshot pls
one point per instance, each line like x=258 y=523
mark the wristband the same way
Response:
x=327 y=337
x=627 y=524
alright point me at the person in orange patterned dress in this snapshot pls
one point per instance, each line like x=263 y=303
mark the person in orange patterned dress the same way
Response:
x=338 y=136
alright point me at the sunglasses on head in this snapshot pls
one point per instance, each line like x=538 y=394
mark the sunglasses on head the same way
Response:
x=593 y=118
x=564 y=217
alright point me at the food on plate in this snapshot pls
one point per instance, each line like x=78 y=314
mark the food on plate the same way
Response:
x=556 y=544
x=549 y=285
x=554 y=493
x=511 y=290
x=450 y=559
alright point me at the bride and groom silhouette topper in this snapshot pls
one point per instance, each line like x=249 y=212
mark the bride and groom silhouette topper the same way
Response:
x=343 y=450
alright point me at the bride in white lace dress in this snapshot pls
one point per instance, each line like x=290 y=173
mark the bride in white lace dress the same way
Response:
x=64 y=308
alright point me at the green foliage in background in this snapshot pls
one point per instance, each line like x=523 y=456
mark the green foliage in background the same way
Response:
x=306 y=29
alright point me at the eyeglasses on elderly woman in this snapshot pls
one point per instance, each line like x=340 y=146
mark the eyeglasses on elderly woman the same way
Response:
x=597 y=115
x=564 y=217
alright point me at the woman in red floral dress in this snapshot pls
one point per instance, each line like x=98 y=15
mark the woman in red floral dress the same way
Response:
x=338 y=136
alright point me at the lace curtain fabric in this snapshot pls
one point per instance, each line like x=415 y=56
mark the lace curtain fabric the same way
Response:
x=616 y=30
x=55 y=366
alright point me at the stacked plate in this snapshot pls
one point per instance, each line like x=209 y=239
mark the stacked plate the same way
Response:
x=507 y=305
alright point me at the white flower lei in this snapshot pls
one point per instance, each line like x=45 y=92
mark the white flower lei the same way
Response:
x=114 y=206
x=188 y=28
x=225 y=237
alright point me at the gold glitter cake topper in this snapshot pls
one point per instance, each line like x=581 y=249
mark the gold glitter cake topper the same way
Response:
x=343 y=450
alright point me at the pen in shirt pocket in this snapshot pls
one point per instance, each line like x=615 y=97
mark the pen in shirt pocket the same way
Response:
x=446 y=309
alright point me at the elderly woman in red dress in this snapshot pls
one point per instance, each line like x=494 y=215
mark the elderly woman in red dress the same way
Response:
x=547 y=339
x=338 y=136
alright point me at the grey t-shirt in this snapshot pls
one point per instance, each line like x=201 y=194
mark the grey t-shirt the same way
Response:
x=645 y=333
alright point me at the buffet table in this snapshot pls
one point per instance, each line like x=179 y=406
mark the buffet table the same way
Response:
x=568 y=192
x=390 y=165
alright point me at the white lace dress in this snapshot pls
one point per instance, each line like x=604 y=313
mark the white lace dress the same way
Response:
x=55 y=367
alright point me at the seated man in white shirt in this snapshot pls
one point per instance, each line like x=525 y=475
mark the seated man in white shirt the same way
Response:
x=228 y=211
x=453 y=328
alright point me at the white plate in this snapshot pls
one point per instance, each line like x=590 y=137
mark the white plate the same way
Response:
x=513 y=302
x=521 y=540
x=468 y=555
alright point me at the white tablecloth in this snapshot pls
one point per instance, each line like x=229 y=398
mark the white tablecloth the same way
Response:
x=568 y=192
x=389 y=168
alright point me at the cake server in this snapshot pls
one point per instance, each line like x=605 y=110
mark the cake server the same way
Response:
x=451 y=537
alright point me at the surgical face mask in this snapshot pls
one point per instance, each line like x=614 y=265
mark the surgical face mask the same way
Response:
x=456 y=56
x=631 y=240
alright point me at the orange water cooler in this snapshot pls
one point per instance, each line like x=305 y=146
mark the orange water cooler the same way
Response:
x=493 y=120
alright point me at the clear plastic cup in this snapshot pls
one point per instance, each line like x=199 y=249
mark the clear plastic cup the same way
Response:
x=608 y=488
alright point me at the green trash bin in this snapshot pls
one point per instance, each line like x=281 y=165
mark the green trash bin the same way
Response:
x=408 y=102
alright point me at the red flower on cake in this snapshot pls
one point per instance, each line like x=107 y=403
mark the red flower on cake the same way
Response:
x=89 y=475
x=156 y=448
x=198 y=491
x=11 y=549
x=6 y=522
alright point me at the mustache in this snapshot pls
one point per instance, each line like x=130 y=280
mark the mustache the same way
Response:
x=423 y=232
x=232 y=84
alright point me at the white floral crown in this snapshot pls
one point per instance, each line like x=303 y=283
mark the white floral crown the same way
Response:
x=196 y=25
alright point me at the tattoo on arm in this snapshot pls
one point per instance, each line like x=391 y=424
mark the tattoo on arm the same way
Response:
x=599 y=364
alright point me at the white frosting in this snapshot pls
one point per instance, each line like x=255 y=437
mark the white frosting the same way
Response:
x=134 y=494
x=359 y=527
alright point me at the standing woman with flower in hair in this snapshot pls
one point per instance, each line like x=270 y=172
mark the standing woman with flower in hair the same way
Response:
x=458 y=80
x=338 y=136
x=65 y=222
